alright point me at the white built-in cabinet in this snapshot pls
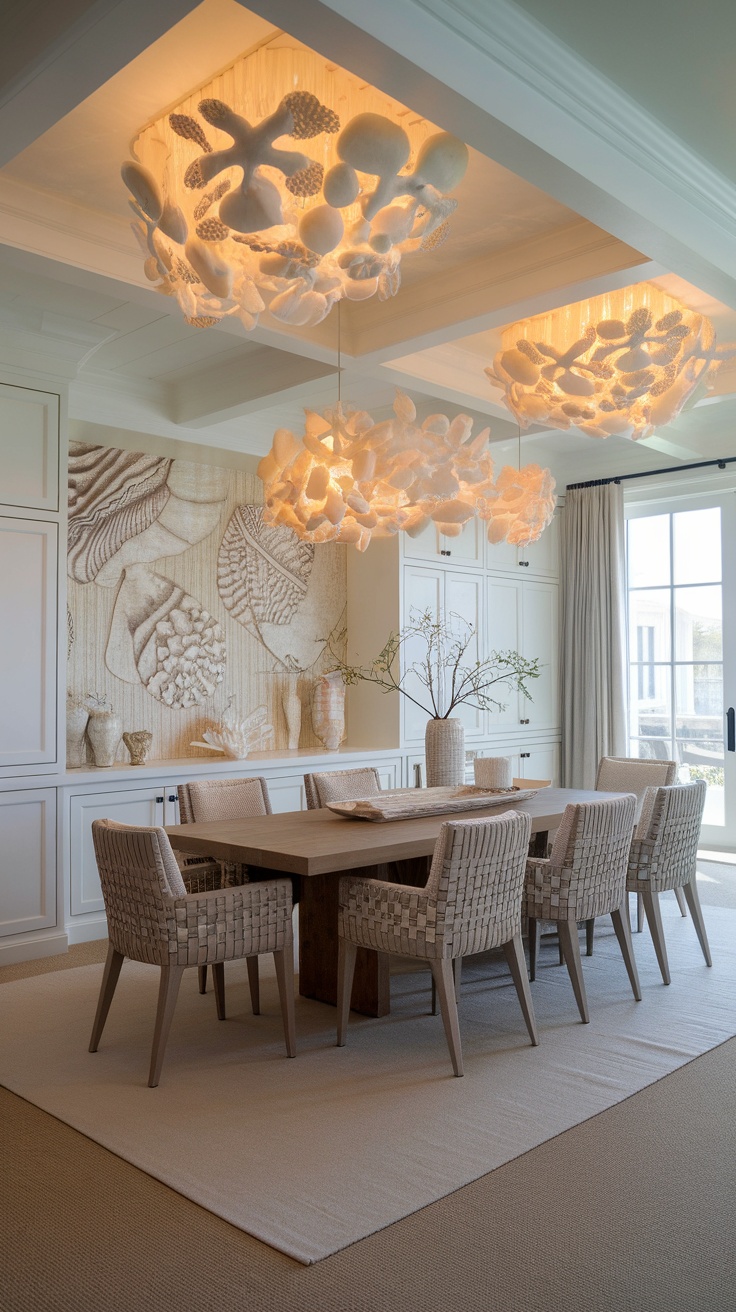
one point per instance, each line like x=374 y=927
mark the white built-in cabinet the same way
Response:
x=27 y=861
x=28 y=651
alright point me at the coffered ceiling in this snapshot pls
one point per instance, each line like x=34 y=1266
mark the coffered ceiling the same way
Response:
x=553 y=208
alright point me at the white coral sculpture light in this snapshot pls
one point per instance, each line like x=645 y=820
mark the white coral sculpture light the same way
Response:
x=231 y=224
x=624 y=363
x=349 y=479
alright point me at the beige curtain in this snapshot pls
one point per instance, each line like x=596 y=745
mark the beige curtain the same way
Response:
x=593 y=632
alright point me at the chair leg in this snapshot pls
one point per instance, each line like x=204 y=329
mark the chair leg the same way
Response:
x=654 y=920
x=434 y=997
x=681 y=902
x=533 y=948
x=639 y=913
x=622 y=926
x=346 y=954
x=693 y=901
x=168 y=992
x=110 y=978
x=589 y=929
x=254 y=985
x=568 y=932
x=457 y=973
x=284 y=962
x=202 y=975
x=218 y=979
x=442 y=972
x=514 y=953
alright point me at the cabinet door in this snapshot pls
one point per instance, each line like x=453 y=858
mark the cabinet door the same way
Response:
x=503 y=628
x=464 y=598
x=423 y=591
x=28 y=550
x=539 y=630
x=540 y=763
x=27 y=860
x=287 y=794
x=543 y=556
x=133 y=806
x=466 y=549
x=29 y=448
x=502 y=556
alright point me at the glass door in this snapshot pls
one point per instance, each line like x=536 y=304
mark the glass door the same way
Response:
x=682 y=653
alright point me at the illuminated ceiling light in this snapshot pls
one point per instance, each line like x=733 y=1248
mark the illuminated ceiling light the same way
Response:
x=348 y=479
x=622 y=363
x=234 y=216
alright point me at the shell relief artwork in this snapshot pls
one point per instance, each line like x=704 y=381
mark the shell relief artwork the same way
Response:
x=256 y=194
x=624 y=363
x=349 y=479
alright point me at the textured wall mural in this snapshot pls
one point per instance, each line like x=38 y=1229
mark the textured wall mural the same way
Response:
x=183 y=603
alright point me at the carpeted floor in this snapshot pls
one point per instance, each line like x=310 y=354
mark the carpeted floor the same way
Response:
x=632 y=1210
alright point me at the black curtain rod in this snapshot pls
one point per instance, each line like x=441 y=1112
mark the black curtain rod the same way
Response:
x=652 y=473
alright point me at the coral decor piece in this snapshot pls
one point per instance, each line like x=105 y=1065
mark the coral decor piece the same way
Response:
x=231 y=224
x=624 y=363
x=236 y=737
x=349 y=479
x=138 y=744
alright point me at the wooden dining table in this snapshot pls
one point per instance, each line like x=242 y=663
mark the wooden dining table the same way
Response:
x=319 y=846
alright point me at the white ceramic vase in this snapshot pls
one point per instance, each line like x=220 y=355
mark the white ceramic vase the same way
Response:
x=328 y=710
x=291 y=705
x=76 y=743
x=104 y=731
x=444 y=752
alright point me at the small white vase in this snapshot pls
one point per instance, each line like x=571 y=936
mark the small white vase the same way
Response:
x=291 y=705
x=76 y=744
x=328 y=710
x=444 y=752
x=104 y=732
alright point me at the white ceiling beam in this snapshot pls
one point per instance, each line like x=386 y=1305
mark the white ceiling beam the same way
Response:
x=63 y=62
x=261 y=379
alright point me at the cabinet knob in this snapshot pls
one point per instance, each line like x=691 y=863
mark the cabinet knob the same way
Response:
x=172 y=796
x=523 y=721
x=445 y=553
x=159 y=799
x=524 y=564
x=524 y=754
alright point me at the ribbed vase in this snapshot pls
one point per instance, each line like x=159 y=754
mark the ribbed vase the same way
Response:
x=444 y=751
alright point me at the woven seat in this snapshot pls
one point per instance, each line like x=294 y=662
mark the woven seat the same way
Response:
x=663 y=856
x=633 y=774
x=584 y=877
x=152 y=918
x=226 y=799
x=340 y=786
x=470 y=903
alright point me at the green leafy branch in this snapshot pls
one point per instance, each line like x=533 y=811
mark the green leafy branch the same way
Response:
x=440 y=674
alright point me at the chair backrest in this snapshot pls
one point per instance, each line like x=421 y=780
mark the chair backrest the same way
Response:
x=670 y=829
x=140 y=879
x=592 y=846
x=340 y=786
x=633 y=774
x=223 y=799
x=477 y=879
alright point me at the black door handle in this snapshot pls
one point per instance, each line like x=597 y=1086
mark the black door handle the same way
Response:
x=731 y=729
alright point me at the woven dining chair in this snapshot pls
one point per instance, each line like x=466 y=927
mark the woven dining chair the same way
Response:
x=471 y=903
x=204 y=800
x=152 y=918
x=584 y=877
x=634 y=774
x=663 y=856
x=340 y=786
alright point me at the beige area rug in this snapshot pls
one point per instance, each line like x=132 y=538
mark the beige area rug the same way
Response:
x=313 y=1154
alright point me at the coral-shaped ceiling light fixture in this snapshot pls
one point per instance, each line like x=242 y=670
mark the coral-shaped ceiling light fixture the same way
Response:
x=623 y=363
x=234 y=220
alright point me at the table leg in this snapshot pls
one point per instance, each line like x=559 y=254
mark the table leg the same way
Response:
x=318 y=950
x=538 y=844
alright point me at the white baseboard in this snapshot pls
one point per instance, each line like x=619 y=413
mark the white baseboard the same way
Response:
x=88 y=931
x=31 y=947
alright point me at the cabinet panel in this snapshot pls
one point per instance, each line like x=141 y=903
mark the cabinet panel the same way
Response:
x=27 y=860
x=543 y=556
x=502 y=556
x=539 y=639
x=423 y=591
x=465 y=549
x=29 y=448
x=464 y=597
x=28 y=607
x=539 y=763
x=133 y=806
x=505 y=634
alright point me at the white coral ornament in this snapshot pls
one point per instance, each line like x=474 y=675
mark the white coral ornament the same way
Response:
x=231 y=223
x=237 y=738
